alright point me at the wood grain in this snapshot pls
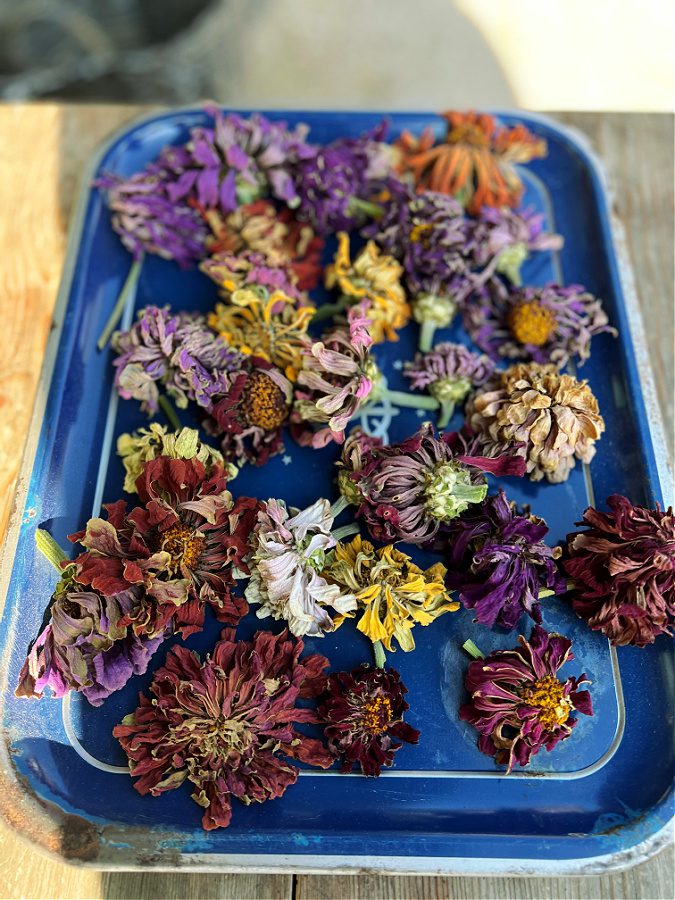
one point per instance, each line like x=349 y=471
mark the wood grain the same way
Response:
x=42 y=151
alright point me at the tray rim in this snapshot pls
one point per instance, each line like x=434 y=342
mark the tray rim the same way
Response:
x=70 y=838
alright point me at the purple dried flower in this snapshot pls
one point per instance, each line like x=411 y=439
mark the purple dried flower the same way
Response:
x=546 y=324
x=448 y=372
x=363 y=714
x=177 y=351
x=336 y=184
x=149 y=220
x=517 y=703
x=499 y=563
x=249 y=268
x=409 y=489
x=623 y=568
x=352 y=460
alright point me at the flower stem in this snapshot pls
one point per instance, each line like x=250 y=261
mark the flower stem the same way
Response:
x=128 y=290
x=472 y=650
x=447 y=409
x=49 y=548
x=547 y=592
x=169 y=412
x=401 y=398
x=326 y=310
x=427 y=332
x=374 y=210
x=380 y=658
x=340 y=504
x=345 y=531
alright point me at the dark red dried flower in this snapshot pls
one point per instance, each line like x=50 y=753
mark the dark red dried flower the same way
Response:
x=226 y=724
x=363 y=711
x=623 y=567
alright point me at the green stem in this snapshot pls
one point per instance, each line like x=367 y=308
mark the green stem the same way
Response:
x=380 y=658
x=472 y=650
x=374 y=210
x=401 y=398
x=547 y=592
x=50 y=549
x=447 y=409
x=169 y=412
x=345 y=531
x=128 y=288
x=427 y=332
x=340 y=504
x=327 y=310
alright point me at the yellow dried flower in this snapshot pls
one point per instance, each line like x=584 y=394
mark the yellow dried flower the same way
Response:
x=392 y=591
x=270 y=326
x=375 y=278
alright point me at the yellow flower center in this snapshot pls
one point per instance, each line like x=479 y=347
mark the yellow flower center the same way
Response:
x=420 y=232
x=548 y=695
x=184 y=546
x=264 y=403
x=377 y=715
x=469 y=133
x=531 y=323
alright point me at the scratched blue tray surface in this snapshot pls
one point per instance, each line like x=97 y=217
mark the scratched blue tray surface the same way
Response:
x=444 y=806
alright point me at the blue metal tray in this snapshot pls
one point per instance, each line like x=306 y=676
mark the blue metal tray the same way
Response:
x=600 y=799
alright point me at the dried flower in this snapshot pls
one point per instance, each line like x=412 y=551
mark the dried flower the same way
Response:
x=498 y=561
x=148 y=220
x=554 y=417
x=288 y=553
x=85 y=646
x=448 y=372
x=336 y=185
x=260 y=227
x=148 y=443
x=248 y=269
x=251 y=411
x=335 y=379
x=363 y=711
x=392 y=592
x=226 y=724
x=235 y=161
x=375 y=279
x=353 y=458
x=547 y=324
x=623 y=566
x=475 y=161
x=517 y=703
x=410 y=488
x=177 y=352
x=270 y=326
x=180 y=546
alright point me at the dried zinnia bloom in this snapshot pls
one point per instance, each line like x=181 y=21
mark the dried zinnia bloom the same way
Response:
x=288 y=551
x=517 y=703
x=554 y=417
x=267 y=325
x=335 y=380
x=474 y=162
x=176 y=351
x=86 y=646
x=449 y=372
x=392 y=593
x=260 y=227
x=247 y=269
x=372 y=278
x=235 y=161
x=226 y=725
x=180 y=546
x=337 y=184
x=499 y=563
x=363 y=714
x=623 y=566
x=547 y=324
x=352 y=459
x=145 y=444
x=409 y=489
x=148 y=220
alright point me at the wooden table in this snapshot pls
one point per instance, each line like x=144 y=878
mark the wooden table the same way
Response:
x=42 y=150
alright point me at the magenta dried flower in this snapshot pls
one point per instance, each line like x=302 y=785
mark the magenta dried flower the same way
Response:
x=518 y=704
x=363 y=715
x=409 y=489
x=352 y=459
x=251 y=268
x=448 y=372
x=499 y=563
x=546 y=324
x=335 y=380
x=623 y=566
x=226 y=725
